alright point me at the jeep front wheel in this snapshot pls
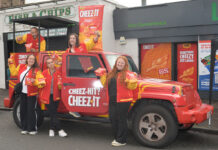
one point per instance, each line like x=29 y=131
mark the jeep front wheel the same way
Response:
x=154 y=125
x=16 y=114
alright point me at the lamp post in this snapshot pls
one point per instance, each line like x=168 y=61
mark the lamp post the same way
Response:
x=143 y=2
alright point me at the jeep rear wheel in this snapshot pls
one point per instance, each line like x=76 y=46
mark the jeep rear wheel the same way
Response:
x=16 y=114
x=154 y=125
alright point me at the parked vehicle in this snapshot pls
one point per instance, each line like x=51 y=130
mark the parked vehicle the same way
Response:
x=159 y=109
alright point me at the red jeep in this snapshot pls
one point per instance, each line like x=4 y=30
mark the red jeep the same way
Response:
x=160 y=107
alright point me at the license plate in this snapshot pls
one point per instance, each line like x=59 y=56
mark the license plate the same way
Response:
x=208 y=114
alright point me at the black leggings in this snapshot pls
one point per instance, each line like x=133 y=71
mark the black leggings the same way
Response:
x=28 y=115
x=118 y=115
x=52 y=110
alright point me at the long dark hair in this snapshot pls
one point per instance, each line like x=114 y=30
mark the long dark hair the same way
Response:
x=77 y=40
x=35 y=65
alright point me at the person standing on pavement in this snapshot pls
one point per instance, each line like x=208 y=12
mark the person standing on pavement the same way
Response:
x=51 y=95
x=120 y=82
x=32 y=41
x=28 y=102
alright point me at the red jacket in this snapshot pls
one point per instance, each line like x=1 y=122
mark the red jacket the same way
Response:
x=125 y=94
x=35 y=42
x=46 y=91
x=80 y=49
x=32 y=90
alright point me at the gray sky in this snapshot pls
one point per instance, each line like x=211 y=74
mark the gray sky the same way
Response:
x=128 y=3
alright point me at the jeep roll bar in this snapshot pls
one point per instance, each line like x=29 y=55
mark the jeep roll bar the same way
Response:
x=47 y=22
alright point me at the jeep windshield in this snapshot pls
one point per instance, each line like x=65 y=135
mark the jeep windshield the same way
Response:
x=112 y=58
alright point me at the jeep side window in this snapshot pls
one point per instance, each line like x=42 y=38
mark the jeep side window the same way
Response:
x=82 y=66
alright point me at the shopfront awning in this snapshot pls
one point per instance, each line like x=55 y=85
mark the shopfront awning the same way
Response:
x=46 y=22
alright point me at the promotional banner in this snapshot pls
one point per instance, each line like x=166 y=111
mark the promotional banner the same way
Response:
x=156 y=60
x=204 y=52
x=90 y=21
x=187 y=63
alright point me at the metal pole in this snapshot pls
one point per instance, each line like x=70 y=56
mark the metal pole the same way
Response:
x=143 y=2
x=47 y=45
x=212 y=64
x=13 y=36
x=39 y=35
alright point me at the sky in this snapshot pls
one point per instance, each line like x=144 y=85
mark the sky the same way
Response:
x=128 y=3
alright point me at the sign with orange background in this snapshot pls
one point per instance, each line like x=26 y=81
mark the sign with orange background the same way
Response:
x=90 y=21
x=187 y=63
x=156 y=60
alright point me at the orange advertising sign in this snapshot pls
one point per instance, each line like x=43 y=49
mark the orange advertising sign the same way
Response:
x=90 y=21
x=187 y=63
x=156 y=60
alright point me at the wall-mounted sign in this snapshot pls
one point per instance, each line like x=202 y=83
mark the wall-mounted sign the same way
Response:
x=204 y=52
x=65 y=11
x=52 y=32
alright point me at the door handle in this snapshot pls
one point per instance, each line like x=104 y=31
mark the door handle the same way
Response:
x=69 y=84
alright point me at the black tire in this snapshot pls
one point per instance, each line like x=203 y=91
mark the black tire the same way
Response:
x=154 y=125
x=16 y=114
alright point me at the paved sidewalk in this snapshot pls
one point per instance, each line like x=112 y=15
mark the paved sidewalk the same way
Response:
x=202 y=127
x=3 y=94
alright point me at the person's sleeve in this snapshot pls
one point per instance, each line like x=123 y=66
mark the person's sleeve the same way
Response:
x=40 y=80
x=42 y=46
x=89 y=44
x=24 y=38
x=13 y=69
x=131 y=81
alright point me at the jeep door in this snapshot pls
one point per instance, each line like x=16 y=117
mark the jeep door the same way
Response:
x=81 y=90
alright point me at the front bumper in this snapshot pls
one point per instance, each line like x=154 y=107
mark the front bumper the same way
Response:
x=197 y=114
x=7 y=102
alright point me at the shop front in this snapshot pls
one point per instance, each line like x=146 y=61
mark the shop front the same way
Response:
x=174 y=40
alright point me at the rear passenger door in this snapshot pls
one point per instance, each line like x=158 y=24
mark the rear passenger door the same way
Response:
x=81 y=90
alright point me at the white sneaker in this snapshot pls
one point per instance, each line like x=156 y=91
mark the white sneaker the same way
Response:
x=51 y=133
x=115 y=143
x=62 y=133
x=33 y=132
x=23 y=132
x=75 y=114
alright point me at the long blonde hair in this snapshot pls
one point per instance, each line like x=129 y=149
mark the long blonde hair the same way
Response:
x=113 y=72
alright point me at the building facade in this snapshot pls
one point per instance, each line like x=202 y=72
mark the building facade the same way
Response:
x=174 y=40
x=66 y=9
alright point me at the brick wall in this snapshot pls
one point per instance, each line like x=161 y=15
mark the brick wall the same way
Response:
x=11 y=3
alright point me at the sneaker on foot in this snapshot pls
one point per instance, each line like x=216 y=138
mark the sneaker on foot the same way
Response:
x=62 y=133
x=33 y=132
x=115 y=143
x=23 y=132
x=75 y=114
x=51 y=133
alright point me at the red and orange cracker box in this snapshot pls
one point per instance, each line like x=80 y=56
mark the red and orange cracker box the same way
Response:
x=41 y=81
x=28 y=47
x=28 y=81
x=100 y=71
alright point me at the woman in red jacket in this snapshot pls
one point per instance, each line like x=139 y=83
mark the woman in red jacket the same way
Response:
x=120 y=82
x=50 y=95
x=75 y=46
x=28 y=103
